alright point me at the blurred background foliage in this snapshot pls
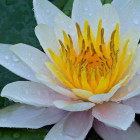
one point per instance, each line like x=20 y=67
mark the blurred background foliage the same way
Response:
x=17 y=25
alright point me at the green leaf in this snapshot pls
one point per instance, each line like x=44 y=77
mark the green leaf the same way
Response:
x=68 y=7
x=60 y=4
x=22 y=134
x=106 y=1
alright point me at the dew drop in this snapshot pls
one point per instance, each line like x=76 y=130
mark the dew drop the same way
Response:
x=135 y=63
x=128 y=52
x=13 y=64
x=114 y=24
x=70 y=26
x=86 y=8
x=26 y=92
x=28 y=76
x=15 y=59
x=90 y=14
x=23 y=98
x=136 y=21
x=6 y=57
x=16 y=135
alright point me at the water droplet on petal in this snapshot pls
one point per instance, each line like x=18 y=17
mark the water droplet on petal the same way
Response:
x=128 y=52
x=90 y=14
x=6 y=57
x=135 y=62
x=136 y=21
x=23 y=98
x=86 y=8
x=70 y=26
x=15 y=59
x=28 y=76
x=26 y=92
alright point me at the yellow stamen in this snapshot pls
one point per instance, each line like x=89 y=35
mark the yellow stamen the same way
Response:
x=98 y=66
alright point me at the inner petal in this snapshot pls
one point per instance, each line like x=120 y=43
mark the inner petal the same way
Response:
x=97 y=67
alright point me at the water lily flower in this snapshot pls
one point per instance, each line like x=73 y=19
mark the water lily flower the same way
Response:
x=88 y=76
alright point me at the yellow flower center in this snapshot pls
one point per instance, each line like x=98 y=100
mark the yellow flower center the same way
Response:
x=97 y=67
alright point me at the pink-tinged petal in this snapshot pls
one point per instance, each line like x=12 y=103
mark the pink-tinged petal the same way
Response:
x=85 y=9
x=45 y=12
x=31 y=93
x=73 y=105
x=62 y=22
x=114 y=114
x=119 y=4
x=11 y=62
x=109 y=133
x=25 y=116
x=134 y=103
x=77 y=123
x=130 y=16
x=108 y=21
x=47 y=38
x=131 y=88
x=128 y=91
x=74 y=126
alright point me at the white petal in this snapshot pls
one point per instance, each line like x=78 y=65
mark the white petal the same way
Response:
x=106 y=96
x=31 y=93
x=132 y=45
x=24 y=116
x=109 y=133
x=120 y=4
x=45 y=12
x=85 y=9
x=56 y=87
x=11 y=62
x=33 y=58
x=115 y=115
x=134 y=103
x=130 y=90
x=73 y=127
x=108 y=21
x=130 y=16
x=47 y=38
x=77 y=123
x=134 y=65
x=73 y=105
x=62 y=22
